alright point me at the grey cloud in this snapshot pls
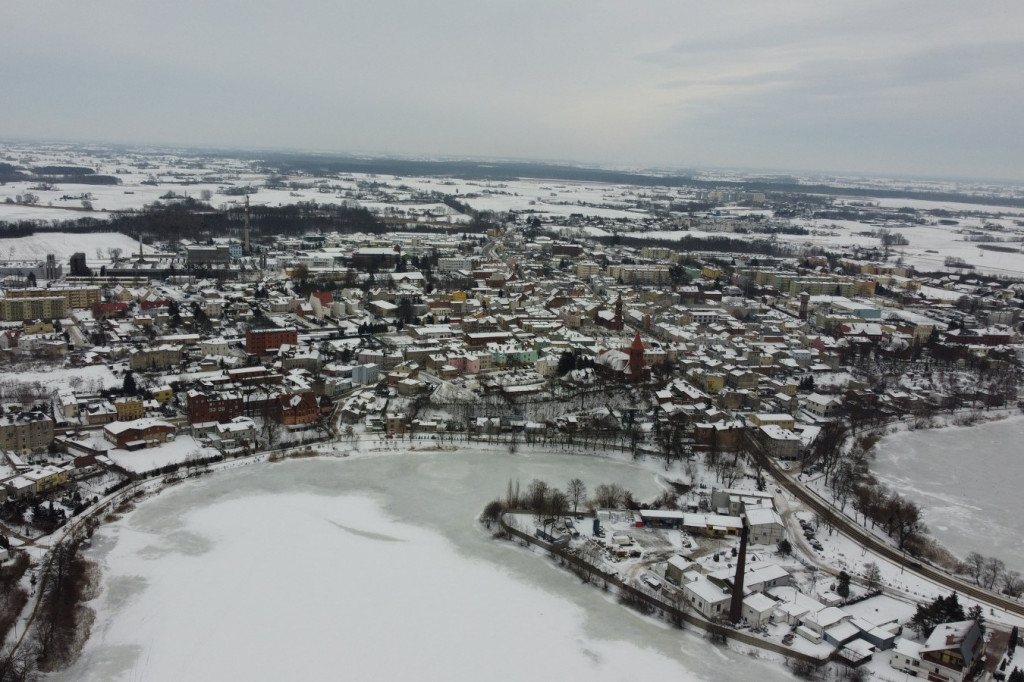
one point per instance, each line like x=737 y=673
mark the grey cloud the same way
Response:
x=814 y=84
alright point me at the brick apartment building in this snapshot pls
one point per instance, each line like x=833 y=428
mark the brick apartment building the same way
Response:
x=138 y=433
x=220 y=406
x=259 y=341
x=297 y=408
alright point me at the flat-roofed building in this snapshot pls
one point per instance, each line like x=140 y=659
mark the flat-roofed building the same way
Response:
x=25 y=432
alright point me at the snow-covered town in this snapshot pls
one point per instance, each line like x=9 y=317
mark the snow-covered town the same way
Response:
x=693 y=397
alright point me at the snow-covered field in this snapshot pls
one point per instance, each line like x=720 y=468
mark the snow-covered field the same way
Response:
x=370 y=568
x=170 y=174
x=91 y=378
x=968 y=482
x=63 y=245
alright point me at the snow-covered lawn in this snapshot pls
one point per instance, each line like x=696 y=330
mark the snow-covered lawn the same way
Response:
x=178 y=451
x=87 y=378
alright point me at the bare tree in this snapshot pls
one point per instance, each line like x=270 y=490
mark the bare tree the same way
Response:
x=537 y=496
x=991 y=572
x=1013 y=585
x=492 y=512
x=558 y=503
x=872 y=575
x=272 y=430
x=513 y=442
x=577 y=493
x=512 y=497
x=903 y=520
x=609 y=495
x=974 y=564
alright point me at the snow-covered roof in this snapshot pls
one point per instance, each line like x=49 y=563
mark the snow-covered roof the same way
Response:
x=758 y=516
x=138 y=424
x=759 y=602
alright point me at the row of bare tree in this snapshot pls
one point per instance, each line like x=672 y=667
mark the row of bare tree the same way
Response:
x=991 y=573
x=544 y=500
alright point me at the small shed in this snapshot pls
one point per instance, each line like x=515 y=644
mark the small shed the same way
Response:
x=757 y=609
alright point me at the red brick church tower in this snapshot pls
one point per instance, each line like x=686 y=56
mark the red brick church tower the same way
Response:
x=636 y=359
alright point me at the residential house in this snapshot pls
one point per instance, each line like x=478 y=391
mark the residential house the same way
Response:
x=822 y=406
x=709 y=599
x=946 y=656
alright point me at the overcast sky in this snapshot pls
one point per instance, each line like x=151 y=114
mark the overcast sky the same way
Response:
x=920 y=87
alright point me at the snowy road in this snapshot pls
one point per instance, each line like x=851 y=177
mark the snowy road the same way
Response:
x=851 y=529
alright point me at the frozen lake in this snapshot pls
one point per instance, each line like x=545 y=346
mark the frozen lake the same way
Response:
x=368 y=569
x=968 y=481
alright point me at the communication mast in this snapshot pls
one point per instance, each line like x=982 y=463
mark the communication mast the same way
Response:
x=245 y=246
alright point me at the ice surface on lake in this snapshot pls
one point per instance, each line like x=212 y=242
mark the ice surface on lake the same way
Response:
x=367 y=569
x=968 y=481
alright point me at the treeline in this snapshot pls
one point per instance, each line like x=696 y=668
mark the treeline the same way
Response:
x=62 y=622
x=194 y=220
x=460 y=206
x=27 y=228
x=13 y=596
x=56 y=174
x=547 y=501
x=63 y=170
x=689 y=243
x=992 y=574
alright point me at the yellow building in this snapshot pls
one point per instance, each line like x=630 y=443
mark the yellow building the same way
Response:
x=713 y=383
x=711 y=272
x=640 y=274
x=782 y=419
x=37 y=327
x=129 y=409
x=47 y=478
x=162 y=394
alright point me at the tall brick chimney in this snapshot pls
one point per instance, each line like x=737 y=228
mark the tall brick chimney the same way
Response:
x=736 y=606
